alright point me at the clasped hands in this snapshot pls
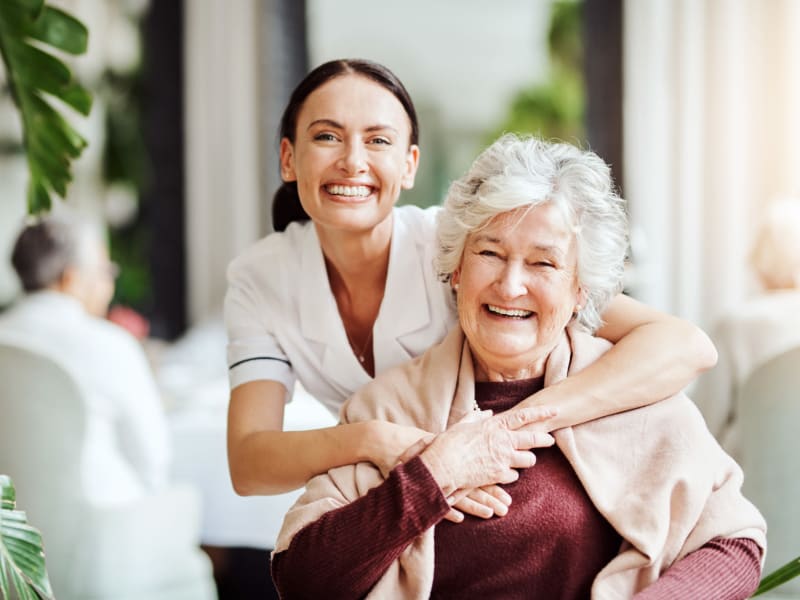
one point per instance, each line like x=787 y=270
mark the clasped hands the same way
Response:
x=473 y=456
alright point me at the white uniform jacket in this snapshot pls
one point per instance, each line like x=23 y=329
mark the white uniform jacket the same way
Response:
x=283 y=323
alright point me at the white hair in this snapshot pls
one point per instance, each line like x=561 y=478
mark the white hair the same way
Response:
x=516 y=172
x=776 y=252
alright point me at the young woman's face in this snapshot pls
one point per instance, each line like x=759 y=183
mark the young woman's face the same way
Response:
x=351 y=156
x=517 y=290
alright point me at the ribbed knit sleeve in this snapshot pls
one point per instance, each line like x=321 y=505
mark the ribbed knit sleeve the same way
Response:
x=722 y=569
x=347 y=550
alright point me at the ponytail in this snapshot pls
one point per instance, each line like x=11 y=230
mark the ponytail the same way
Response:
x=286 y=207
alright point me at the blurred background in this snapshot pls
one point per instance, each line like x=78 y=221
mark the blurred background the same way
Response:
x=693 y=103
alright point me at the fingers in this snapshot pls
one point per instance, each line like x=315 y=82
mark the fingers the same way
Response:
x=520 y=417
x=525 y=439
x=415 y=449
x=454 y=516
x=475 y=416
x=485 y=504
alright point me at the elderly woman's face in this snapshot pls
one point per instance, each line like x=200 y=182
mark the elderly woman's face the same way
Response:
x=517 y=290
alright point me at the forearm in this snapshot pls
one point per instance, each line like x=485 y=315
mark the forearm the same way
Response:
x=274 y=462
x=726 y=569
x=349 y=549
x=652 y=362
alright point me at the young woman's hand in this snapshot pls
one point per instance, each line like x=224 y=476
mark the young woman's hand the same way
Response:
x=393 y=444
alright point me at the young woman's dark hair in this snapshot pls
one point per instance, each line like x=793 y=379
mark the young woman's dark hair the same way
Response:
x=286 y=206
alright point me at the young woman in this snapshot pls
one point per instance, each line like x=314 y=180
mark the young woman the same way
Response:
x=351 y=290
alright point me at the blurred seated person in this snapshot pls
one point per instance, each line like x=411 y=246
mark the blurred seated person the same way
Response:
x=63 y=265
x=640 y=504
x=762 y=327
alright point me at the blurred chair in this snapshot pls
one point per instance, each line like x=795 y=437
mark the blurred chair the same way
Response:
x=769 y=409
x=144 y=549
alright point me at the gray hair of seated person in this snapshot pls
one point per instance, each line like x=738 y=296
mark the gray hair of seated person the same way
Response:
x=50 y=244
x=516 y=172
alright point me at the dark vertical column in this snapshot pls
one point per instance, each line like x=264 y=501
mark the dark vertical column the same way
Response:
x=163 y=193
x=284 y=62
x=603 y=73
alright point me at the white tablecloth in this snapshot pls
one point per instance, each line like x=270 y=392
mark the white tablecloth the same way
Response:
x=200 y=457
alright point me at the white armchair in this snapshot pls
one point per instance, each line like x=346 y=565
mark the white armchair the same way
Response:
x=148 y=548
x=768 y=408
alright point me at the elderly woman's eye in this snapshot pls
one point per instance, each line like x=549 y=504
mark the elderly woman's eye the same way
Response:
x=488 y=253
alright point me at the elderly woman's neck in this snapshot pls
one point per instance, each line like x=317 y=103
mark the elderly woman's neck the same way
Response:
x=485 y=371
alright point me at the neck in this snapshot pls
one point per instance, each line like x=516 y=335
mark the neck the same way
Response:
x=486 y=371
x=357 y=264
x=357 y=261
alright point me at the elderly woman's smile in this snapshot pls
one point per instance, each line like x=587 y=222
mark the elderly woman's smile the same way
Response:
x=517 y=288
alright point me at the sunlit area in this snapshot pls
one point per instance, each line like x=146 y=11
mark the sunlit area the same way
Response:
x=145 y=422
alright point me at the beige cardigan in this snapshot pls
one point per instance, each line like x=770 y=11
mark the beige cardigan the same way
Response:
x=655 y=473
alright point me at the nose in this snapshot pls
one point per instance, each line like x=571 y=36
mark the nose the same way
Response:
x=511 y=281
x=353 y=159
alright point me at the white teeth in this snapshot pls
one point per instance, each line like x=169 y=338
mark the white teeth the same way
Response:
x=348 y=190
x=509 y=312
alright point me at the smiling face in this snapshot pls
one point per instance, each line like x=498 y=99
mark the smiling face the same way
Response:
x=517 y=290
x=351 y=155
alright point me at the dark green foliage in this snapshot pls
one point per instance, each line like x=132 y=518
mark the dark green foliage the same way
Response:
x=35 y=78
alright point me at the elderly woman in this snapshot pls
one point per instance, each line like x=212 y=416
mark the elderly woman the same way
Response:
x=642 y=504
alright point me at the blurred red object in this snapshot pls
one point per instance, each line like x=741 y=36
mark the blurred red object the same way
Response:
x=129 y=319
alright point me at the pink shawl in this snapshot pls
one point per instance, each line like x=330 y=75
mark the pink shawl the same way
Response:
x=655 y=473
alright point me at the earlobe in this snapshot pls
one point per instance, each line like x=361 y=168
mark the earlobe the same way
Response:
x=412 y=163
x=455 y=277
x=287 y=160
x=580 y=301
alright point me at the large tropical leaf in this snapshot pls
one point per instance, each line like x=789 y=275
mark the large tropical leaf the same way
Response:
x=780 y=576
x=21 y=554
x=35 y=77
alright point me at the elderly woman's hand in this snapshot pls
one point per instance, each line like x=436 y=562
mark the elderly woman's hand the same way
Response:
x=486 y=451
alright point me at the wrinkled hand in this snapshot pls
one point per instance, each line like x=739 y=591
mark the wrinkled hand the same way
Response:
x=486 y=450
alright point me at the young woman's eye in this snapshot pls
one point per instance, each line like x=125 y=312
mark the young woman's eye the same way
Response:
x=325 y=137
x=381 y=141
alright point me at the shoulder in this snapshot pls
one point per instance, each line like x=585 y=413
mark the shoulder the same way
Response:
x=417 y=223
x=271 y=252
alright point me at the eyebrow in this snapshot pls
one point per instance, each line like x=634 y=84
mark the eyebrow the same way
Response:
x=337 y=125
x=553 y=249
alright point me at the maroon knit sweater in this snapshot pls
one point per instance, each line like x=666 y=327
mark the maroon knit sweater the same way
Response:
x=550 y=545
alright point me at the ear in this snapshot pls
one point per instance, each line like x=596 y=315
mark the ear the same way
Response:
x=455 y=277
x=412 y=163
x=580 y=300
x=287 y=161
x=69 y=281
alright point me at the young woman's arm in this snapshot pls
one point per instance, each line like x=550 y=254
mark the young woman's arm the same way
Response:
x=655 y=356
x=263 y=459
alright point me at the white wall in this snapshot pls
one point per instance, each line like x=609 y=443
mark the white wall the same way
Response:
x=711 y=129
x=461 y=60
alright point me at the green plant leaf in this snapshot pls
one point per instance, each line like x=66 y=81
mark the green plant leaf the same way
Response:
x=60 y=30
x=21 y=554
x=34 y=76
x=780 y=576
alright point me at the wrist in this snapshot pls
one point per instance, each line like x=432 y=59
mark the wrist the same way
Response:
x=441 y=474
x=370 y=436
